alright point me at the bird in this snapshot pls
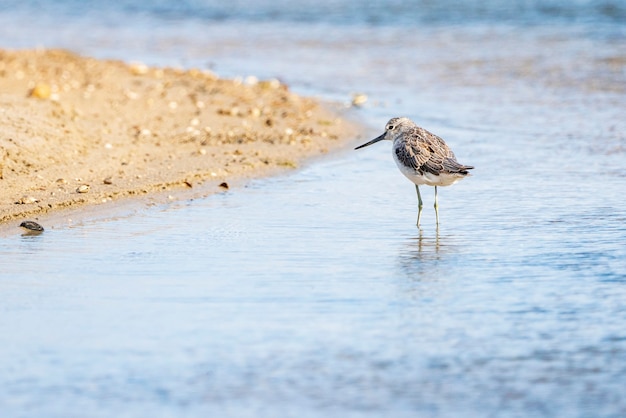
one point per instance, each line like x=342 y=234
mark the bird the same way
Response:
x=423 y=158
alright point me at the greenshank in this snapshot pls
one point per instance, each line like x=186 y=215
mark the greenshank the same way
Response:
x=423 y=157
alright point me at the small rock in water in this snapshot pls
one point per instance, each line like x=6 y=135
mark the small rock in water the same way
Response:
x=359 y=99
x=31 y=226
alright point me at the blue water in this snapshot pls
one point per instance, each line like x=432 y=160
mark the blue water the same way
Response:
x=314 y=294
x=394 y=12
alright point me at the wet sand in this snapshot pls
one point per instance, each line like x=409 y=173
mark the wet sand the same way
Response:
x=79 y=131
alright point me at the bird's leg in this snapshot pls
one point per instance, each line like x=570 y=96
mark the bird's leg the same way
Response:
x=419 y=205
x=436 y=207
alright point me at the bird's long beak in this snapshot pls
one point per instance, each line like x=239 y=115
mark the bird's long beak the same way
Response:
x=373 y=141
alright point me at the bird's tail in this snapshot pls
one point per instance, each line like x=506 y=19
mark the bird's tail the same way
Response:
x=453 y=166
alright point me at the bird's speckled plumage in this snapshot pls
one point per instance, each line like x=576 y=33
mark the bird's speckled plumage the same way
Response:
x=423 y=157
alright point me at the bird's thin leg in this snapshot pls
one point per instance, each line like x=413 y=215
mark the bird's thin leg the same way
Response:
x=419 y=205
x=436 y=207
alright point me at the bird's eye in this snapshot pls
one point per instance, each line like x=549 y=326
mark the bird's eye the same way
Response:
x=390 y=127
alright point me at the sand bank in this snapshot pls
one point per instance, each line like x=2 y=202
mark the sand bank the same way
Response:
x=77 y=131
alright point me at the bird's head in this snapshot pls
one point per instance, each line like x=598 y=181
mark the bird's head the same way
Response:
x=394 y=128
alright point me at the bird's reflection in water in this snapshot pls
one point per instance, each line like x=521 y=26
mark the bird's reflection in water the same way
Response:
x=423 y=256
x=423 y=245
x=419 y=263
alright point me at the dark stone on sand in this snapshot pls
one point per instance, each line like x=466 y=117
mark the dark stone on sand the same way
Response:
x=32 y=226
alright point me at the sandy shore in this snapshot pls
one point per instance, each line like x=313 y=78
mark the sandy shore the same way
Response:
x=80 y=131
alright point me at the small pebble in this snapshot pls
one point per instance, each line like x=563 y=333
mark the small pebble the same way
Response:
x=138 y=68
x=359 y=99
x=83 y=188
x=27 y=200
x=131 y=94
x=269 y=84
x=251 y=80
x=32 y=226
x=41 y=91
x=108 y=180
x=224 y=185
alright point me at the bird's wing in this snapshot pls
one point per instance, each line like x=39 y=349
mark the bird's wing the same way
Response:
x=426 y=152
x=453 y=166
x=442 y=159
x=412 y=153
x=438 y=152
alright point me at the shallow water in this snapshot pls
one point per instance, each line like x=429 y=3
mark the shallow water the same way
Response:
x=314 y=293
